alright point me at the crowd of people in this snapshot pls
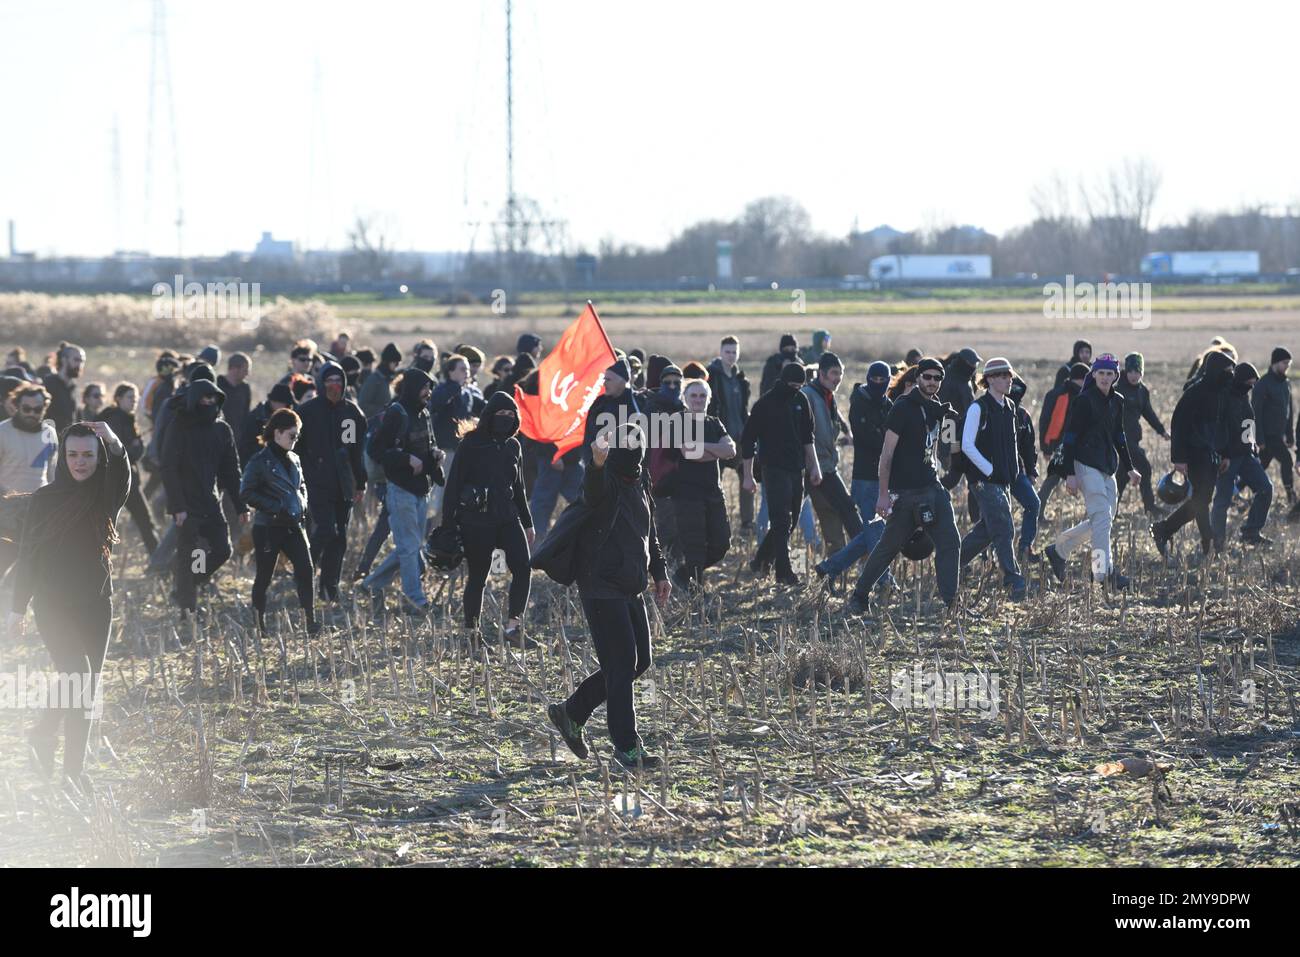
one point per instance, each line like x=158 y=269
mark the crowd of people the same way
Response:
x=434 y=438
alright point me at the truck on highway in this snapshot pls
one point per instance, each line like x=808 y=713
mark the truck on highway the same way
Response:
x=1215 y=263
x=910 y=267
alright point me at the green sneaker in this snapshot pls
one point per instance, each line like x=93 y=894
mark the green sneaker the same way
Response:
x=569 y=729
x=637 y=757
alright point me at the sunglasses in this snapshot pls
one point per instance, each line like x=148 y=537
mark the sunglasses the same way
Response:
x=931 y=376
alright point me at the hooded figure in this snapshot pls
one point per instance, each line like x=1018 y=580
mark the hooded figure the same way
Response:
x=407 y=430
x=821 y=341
x=655 y=367
x=64 y=564
x=1081 y=346
x=486 y=500
x=788 y=349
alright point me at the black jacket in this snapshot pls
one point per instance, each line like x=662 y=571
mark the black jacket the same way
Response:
x=1198 y=430
x=331 y=444
x=1137 y=406
x=248 y=434
x=407 y=430
x=493 y=465
x=239 y=399
x=275 y=487
x=1271 y=399
x=1025 y=442
x=1094 y=432
x=199 y=455
x=867 y=417
x=771 y=371
x=63 y=401
x=1067 y=389
x=618 y=550
x=124 y=427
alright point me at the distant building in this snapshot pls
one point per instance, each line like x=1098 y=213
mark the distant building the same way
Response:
x=268 y=248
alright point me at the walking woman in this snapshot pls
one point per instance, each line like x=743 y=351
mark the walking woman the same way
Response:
x=616 y=550
x=120 y=417
x=65 y=571
x=274 y=486
x=485 y=497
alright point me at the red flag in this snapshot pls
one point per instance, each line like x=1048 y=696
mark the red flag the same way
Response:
x=568 y=381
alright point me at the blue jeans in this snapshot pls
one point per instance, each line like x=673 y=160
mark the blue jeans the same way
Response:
x=1022 y=490
x=864 y=492
x=1242 y=470
x=994 y=528
x=550 y=485
x=407 y=514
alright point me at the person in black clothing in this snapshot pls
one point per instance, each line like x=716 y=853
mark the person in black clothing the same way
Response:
x=64 y=570
x=869 y=407
x=330 y=447
x=403 y=444
x=1244 y=467
x=239 y=394
x=486 y=500
x=834 y=507
x=1137 y=406
x=199 y=457
x=958 y=391
x=1093 y=448
x=502 y=366
x=606 y=409
x=1199 y=437
x=910 y=496
x=618 y=556
x=1022 y=490
x=729 y=404
x=788 y=350
x=695 y=487
x=120 y=417
x=1271 y=400
x=377 y=389
x=273 y=484
x=1051 y=427
x=780 y=427
x=280 y=397
x=991 y=449
x=1081 y=354
x=62 y=385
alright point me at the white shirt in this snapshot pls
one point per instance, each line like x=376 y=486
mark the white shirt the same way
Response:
x=968 y=437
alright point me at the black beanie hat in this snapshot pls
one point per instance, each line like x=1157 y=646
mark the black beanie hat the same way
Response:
x=928 y=364
x=789 y=342
x=793 y=374
x=391 y=354
x=621 y=369
x=199 y=371
x=280 y=392
x=1278 y=355
x=1079 y=371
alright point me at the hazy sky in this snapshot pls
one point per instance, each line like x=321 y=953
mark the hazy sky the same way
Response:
x=632 y=120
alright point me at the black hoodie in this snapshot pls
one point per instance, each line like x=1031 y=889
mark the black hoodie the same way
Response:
x=331 y=442
x=406 y=430
x=491 y=461
x=1198 y=427
x=199 y=455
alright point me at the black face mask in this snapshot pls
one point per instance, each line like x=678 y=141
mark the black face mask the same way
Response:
x=424 y=364
x=207 y=414
x=625 y=463
x=504 y=426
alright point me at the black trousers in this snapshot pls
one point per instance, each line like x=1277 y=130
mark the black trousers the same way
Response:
x=703 y=532
x=75 y=629
x=269 y=541
x=139 y=511
x=195 y=563
x=784 y=490
x=836 y=513
x=1203 y=474
x=329 y=540
x=620 y=632
x=1274 y=447
x=1143 y=465
x=746 y=498
x=481 y=539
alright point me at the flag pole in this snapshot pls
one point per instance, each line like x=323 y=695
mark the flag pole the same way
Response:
x=601 y=326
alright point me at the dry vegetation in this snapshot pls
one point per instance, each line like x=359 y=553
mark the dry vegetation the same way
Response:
x=395 y=746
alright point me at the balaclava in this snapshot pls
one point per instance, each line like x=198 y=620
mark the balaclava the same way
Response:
x=877 y=368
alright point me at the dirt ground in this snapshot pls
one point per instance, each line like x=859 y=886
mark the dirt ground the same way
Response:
x=787 y=736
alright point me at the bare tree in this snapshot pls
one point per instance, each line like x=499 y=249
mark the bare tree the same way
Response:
x=1118 y=208
x=369 y=255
